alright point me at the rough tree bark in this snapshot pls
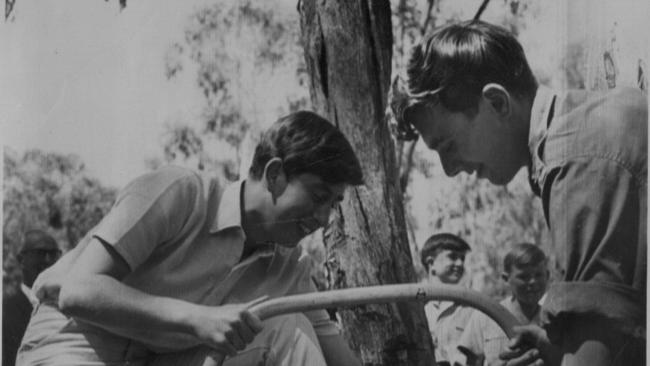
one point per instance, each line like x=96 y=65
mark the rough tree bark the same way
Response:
x=616 y=42
x=348 y=48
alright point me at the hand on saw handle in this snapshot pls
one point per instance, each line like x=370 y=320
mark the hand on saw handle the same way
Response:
x=379 y=295
x=530 y=347
x=227 y=328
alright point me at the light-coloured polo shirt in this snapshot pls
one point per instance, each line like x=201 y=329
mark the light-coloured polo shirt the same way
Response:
x=183 y=239
x=447 y=321
x=483 y=336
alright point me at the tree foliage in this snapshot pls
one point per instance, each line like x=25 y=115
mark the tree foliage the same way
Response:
x=50 y=192
x=235 y=48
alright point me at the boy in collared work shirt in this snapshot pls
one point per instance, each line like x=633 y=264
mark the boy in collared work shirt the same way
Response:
x=526 y=273
x=168 y=275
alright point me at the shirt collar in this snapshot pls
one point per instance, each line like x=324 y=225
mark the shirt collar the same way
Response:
x=513 y=306
x=539 y=115
x=229 y=216
x=230 y=208
x=444 y=306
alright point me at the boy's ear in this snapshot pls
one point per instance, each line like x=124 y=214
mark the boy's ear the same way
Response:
x=499 y=98
x=275 y=180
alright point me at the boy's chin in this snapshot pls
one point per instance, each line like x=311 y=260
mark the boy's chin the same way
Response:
x=529 y=300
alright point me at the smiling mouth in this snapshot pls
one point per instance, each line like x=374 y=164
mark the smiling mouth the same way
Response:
x=457 y=272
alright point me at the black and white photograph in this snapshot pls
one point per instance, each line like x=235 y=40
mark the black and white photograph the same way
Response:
x=324 y=182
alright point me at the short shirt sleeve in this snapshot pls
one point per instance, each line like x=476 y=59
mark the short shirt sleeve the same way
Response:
x=149 y=212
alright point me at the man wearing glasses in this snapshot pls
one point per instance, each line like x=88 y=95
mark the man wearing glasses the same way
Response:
x=38 y=251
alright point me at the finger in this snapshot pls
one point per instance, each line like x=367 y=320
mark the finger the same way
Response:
x=527 y=358
x=253 y=322
x=511 y=353
x=245 y=332
x=223 y=345
x=517 y=341
x=236 y=341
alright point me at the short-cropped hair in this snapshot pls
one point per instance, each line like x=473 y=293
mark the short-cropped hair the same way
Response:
x=460 y=59
x=308 y=143
x=522 y=255
x=438 y=242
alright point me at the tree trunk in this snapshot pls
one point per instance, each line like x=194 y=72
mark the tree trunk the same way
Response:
x=348 y=48
x=616 y=41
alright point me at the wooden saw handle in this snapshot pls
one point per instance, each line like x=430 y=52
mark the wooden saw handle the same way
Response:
x=381 y=295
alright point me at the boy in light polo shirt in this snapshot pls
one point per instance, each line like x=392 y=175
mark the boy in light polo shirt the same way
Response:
x=443 y=256
x=169 y=273
x=526 y=273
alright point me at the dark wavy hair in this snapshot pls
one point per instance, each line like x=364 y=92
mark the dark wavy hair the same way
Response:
x=308 y=143
x=460 y=59
x=438 y=242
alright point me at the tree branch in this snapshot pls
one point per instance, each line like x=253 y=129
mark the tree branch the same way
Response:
x=481 y=9
x=9 y=6
x=428 y=18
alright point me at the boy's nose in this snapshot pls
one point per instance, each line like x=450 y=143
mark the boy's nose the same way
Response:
x=449 y=165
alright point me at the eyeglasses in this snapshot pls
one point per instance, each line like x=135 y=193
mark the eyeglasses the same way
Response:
x=402 y=104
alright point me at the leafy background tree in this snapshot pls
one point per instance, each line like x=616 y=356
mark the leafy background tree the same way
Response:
x=50 y=192
x=249 y=67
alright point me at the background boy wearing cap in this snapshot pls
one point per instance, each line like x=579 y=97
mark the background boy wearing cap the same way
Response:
x=443 y=256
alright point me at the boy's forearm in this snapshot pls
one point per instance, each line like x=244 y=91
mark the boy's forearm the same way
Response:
x=105 y=302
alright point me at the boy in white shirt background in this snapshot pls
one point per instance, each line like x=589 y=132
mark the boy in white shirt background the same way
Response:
x=525 y=270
